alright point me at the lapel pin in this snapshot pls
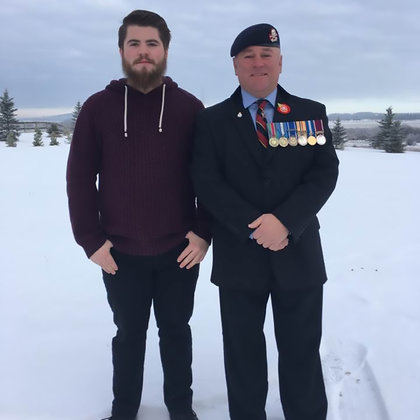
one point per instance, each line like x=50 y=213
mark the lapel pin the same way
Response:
x=283 y=108
x=239 y=115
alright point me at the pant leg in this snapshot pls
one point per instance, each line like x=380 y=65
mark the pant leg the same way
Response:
x=243 y=316
x=298 y=328
x=130 y=296
x=173 y=306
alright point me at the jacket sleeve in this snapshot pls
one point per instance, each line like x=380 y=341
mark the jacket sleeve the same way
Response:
x=317 y=184
x=224 y=203
x=202 y=226
x=82 y=170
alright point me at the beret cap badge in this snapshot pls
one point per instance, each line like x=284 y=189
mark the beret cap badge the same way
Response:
x=273 y=35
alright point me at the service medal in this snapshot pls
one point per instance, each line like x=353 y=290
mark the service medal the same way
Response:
x=320 y=139
x=283 y=141
x=302 y=140
x=274 y=141
x=312 y=140
x=302 y=137
x=293 y=141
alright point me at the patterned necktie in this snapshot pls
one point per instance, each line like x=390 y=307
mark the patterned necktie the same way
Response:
x=261 y=123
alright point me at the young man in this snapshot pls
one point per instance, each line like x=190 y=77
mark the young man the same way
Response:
x=141 y=224
x=263 y=166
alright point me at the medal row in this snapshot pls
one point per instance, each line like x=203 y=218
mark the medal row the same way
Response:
x=295 y=133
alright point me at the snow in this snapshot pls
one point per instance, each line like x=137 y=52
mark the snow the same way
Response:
x=57 y=327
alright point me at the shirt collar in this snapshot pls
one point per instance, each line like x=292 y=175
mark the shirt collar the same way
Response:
x=248 y=99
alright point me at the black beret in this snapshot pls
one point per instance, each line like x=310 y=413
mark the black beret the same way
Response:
x=262 y=34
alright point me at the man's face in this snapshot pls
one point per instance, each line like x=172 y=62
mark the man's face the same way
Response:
x=143 y=57
x=258 y=69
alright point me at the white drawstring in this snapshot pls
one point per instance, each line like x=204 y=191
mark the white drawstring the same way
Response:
x=125 y=111
x=162 y=107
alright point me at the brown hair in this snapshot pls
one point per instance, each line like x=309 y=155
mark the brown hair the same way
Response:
x=145 y=18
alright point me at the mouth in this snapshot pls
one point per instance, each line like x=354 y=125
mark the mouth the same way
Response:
x=143 y=61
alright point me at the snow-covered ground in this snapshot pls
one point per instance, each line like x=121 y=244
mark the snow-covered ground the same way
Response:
x=56 y=328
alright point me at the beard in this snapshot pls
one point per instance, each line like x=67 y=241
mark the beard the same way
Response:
x=144 y=80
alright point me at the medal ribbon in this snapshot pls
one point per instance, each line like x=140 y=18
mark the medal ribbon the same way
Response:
x=311 y=127
x=291 y=128
x=301 y=126
x=319 y=126
x=282 y=130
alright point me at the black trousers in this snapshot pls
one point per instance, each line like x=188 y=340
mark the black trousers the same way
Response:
x=297 y=319
x=139 y=282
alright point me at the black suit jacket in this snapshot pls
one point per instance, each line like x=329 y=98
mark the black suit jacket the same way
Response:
x=237 y=180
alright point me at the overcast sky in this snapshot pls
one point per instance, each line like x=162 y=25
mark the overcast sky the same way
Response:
x=353 y=55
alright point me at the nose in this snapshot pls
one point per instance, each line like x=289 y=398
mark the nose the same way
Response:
x=143 y=49
x=258 y=61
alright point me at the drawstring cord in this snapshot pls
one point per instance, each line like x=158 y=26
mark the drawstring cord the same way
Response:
x=162 y=108
x=126 y=109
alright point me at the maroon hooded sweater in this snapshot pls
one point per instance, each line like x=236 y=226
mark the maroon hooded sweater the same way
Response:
x=138 y=146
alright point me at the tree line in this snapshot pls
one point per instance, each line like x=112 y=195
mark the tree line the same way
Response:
x=9 y=125
x=391 y=137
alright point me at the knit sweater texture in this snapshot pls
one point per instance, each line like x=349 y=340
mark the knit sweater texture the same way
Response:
x=128 y=174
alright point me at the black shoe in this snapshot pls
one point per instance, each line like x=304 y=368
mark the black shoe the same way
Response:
x=183 y=415
x=118 y=418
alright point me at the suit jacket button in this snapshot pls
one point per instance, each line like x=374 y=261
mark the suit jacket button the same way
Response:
x=267 y=182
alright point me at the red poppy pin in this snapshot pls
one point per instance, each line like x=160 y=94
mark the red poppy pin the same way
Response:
x=283 y=108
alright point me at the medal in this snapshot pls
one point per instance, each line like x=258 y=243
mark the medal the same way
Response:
x=293 y=141
x=283 y=141
x=319 y=127
x=320 y=139
x=272 y=134
x=311 y=130
x=291 y=129
x=302 y=138
x=311 y=140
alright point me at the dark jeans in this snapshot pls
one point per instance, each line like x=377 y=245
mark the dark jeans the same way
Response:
x=139 y=282
x=297 y=324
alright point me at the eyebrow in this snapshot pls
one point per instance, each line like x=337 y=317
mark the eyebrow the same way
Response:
x=147 y=40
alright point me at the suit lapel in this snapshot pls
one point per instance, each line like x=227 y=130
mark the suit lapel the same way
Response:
x=242 y=121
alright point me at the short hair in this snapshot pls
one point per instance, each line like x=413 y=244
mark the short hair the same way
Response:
x=145 y=18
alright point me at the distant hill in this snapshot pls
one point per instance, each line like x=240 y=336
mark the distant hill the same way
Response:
x=64 y=120
x=52 y=118
x=373 y=116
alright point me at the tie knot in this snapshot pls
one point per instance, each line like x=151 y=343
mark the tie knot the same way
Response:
x=262 y=103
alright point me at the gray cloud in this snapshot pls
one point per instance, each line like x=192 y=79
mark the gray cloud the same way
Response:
x=354 y=56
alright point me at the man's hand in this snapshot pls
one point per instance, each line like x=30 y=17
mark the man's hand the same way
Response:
x=104 y=259
x=194 y=253
x=270 y=232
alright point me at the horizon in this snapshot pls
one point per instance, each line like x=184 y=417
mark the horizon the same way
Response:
x=26 y=113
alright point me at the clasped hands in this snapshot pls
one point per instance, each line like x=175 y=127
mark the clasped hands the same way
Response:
x=270 y=232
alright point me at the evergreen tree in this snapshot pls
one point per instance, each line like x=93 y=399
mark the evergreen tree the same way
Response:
x=76 y=113
x=53 y=139
x=338 y=135
x=53 y=134
x=12 y=139
x=390 y=136
x=38 y=137
x=8 y=120
x=69 y=136
x=394 y=143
